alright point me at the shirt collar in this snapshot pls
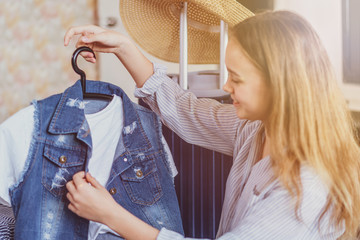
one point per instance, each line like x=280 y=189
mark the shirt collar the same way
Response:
x=69 y=116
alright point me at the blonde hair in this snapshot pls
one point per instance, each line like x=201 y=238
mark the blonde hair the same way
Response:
x=309 y=121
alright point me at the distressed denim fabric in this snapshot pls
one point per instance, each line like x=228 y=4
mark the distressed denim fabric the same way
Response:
x=139 y=180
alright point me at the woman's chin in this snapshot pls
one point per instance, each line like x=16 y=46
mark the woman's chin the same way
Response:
x=241 y=115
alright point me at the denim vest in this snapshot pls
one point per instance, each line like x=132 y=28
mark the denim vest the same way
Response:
x=61 y=145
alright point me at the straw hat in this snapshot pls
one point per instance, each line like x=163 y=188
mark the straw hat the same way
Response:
x=155 y=24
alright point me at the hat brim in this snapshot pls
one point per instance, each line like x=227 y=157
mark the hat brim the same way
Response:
x=155 y=25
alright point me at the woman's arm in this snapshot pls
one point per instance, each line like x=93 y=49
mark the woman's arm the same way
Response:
x=107 y=41
x=265 y=218
x=202 y=122
x=90 y=200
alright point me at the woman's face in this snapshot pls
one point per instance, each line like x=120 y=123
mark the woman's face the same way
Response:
x=246 y=84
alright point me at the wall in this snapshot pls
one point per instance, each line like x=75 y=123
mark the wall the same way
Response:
x=34 y=63
x=326 y=17
x=33 y=60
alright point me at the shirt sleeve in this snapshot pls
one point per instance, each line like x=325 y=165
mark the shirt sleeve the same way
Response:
x=166 y=234
x=268 y=216
x=272 y=215
x=15 y=138
x=204 y=122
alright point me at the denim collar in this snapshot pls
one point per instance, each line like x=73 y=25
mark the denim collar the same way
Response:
x=69 y=116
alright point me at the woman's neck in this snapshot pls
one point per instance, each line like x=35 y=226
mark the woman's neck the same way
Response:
x=265 y=147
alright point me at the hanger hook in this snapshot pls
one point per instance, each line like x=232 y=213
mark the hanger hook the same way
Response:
x=76 y=68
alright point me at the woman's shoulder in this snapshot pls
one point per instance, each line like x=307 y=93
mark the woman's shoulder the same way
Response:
x=315 y=200
x=315 y=194
x=312 y=183
x=245 y=134
x=247 y=129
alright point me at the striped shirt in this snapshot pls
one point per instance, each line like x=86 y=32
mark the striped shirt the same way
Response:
x=7 y=223
x=256 y=206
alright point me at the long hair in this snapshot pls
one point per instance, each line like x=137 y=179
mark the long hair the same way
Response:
x=309 y=123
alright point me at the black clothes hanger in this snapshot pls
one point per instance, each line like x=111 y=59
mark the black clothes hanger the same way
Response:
x=83 y=76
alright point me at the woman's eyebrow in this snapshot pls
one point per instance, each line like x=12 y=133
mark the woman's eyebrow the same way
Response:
x=233 y=72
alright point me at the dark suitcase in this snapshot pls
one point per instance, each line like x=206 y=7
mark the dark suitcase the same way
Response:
x=200 y=183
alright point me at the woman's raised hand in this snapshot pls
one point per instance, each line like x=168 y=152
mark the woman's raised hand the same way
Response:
x=108 y=41
x=97 y=38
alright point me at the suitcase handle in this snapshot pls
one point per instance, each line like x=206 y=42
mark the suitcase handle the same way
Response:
x=183 y=61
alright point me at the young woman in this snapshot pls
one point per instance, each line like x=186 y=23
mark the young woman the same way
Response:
x=295 y=172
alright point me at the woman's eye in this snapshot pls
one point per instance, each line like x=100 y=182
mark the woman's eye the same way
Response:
x=234 y=78
x=237 y=80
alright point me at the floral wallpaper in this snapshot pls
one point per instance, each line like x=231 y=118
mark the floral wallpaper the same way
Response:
x=34 y=63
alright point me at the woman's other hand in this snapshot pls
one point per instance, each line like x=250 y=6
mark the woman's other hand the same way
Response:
x=88 y=198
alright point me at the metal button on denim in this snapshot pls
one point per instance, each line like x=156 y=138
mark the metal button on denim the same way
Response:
x=112 y=191
x=139 y=173
x=125 y=159
x=62 y=159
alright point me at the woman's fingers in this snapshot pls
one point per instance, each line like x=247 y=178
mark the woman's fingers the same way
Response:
x=73 y=208
x=88 y=56
x=70 y=197
x=97 y=38
x=88 y=200
x=85 y=54
x=81 y=30
x=93 y=181
x=94 y=37
x=72 y=190
x=70 y=186
x=79 y=179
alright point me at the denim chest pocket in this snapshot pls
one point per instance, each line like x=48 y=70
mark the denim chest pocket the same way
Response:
x=59 y=166
x=142 y=180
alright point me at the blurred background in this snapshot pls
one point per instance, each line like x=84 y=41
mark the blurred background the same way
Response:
x=34 y=63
